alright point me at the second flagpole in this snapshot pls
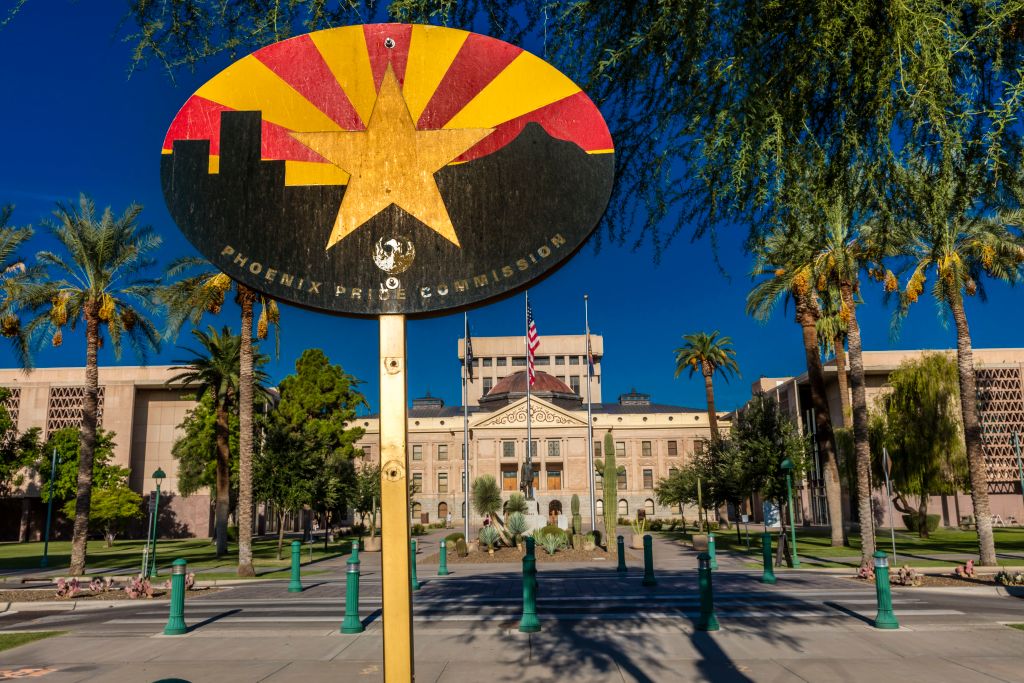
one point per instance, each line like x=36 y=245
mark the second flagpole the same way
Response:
x=466 y=351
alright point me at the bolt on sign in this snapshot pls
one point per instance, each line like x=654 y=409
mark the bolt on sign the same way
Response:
x=388 y=169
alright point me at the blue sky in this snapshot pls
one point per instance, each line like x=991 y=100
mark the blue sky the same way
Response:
x=74 y=121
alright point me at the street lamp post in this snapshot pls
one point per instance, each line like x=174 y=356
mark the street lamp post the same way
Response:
x=49 y=511
x=158 y=477
x=787 y=466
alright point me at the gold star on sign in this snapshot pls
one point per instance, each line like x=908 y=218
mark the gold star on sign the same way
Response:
x=392 y=162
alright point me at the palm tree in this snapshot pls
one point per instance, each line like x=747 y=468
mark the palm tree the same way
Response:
x=102 y=286
x=711 y=354
x=785 y=256
x=944 y=237
x=189 y=298
x=832 y=337
x=214 y=369
x=12 y=272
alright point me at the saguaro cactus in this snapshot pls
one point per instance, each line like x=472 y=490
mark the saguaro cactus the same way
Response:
x=611 y=478
x=577 y=522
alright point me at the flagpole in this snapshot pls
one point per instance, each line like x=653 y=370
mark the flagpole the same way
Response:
x=465 y=425
x=590 y=421
x=529 y=426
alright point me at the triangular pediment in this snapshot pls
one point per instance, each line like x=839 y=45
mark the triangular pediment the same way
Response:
x=543 y=414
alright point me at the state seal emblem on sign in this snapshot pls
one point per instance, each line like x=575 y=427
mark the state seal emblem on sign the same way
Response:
x=388 y=168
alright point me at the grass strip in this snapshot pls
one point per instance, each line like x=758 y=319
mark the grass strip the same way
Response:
x=12 y=640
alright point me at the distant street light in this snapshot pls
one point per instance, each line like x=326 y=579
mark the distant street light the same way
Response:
x=158 y=477
x=787 y=467
x=49 y=510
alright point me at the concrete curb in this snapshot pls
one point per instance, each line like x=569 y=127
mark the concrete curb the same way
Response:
x=71 y=606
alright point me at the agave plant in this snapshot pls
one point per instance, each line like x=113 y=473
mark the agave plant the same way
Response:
x=551 y=542
x=517 y=526
x=516 y=503
x=489 y=537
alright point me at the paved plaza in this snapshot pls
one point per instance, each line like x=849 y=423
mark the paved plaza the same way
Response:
x=598 y=625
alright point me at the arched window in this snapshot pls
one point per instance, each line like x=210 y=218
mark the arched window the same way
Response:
x=417 y=509
x=600 y=507
x=623 y=508
x=442 y=511
x=649 y=507
x=463 y=509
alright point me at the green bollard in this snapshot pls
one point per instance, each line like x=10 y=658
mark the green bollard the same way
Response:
x=355 y=551
x=885 y=617
x=711 y=550
x=442 y=570
x=295 y=585
x=622 y=555
x=707 y=620
x=351 y=622
x=649 y=561
x=766 y=555
x=529 y=622
x=412 y=561
x=176 y=621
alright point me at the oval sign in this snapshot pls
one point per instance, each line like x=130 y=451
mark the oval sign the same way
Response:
x=388 y=168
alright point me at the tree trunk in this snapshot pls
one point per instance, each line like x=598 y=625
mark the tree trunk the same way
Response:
x=709 y=396
x=87 y=451
x=841 y=377
x=280 y=532
x=972 y=436
x=223 y=479
x=861 y=445
x=922 y=516
x=806 y=317
x=26 y=509
x=245 y=433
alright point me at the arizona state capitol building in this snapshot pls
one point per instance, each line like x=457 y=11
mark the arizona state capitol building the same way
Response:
x=651 y=440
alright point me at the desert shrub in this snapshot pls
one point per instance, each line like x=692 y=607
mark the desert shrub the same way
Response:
x=1005 y=578
x=552 y=529
x=232 y=534
x=908 y=576
x=418 y=530
x=517 y=503
x=965 y=571
x=657 y=525
x=453 y=537
x=624 y=521
x=358 y=529
x=460 y=548
x=489 y=536
x=596 y=533
x=552 y=542
x=913 y=522
x=517 y=526
x=673 y=524
x=68 y=588
x=139 y=587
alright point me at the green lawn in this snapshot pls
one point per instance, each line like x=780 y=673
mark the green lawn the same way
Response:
x=1019 y=627
x=815 y=548
x=9 y=640
x=199 y=553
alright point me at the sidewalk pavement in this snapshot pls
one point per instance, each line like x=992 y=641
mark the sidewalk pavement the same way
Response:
x=586 y=651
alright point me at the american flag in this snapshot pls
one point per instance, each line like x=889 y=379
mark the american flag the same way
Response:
x=590 y=356
x=532 y=342
x=469 y=353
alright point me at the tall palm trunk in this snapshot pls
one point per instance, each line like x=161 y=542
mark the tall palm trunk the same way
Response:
x=223 y=479
x=709 y=395
x=844 y=384
x=87 y=450
x=245 y=390
x=972 y=436
x=806 y=317
x=861 y=445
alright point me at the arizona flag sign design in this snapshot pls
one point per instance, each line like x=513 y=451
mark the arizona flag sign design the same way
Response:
x=388 y=168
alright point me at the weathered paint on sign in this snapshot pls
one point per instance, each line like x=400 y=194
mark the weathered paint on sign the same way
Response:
x=388 y=168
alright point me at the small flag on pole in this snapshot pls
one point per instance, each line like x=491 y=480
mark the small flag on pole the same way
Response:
x=532 y=343
x=469 y=353
x=590 y=355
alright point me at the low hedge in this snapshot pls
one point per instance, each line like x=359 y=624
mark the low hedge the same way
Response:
x=912 y=522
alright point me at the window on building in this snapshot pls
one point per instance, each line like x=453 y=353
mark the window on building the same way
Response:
x=366 y=451
x=673 y=447
x=698 y=446
x=648 y=479
x=533 y=449
x=417 y=451
x=649 y=507
x=442 y=482
x=488 y=384
x=417 y=511
x=508 y=449
x=599 y=507
x=559 y=360
x=560 y=378
x=623 y=508
x=442 y=451
x=501 y=362
x=462 y=480
x=574 y=384
x=417 y=482
x=645 y=449
x=597 y=449
x=519 y=361
x=488 y=362
x=622 y=479
x=554 y=477
x=620 y=449
x=509 y=480
x=442 y=511
x=554 y=449
x=574 y=360
x=672 y=471
x=542 y=360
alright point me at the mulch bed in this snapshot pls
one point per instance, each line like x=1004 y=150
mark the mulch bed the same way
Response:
x=942 y=581
x=514 y=555
x=47 y=595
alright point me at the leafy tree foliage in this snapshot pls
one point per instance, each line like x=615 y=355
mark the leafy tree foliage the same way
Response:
x=17 y=451
x=918 y=423
x=13 y=272
x=365 y=496
x=196 y=449
x=113 y=505
x=68 y=443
